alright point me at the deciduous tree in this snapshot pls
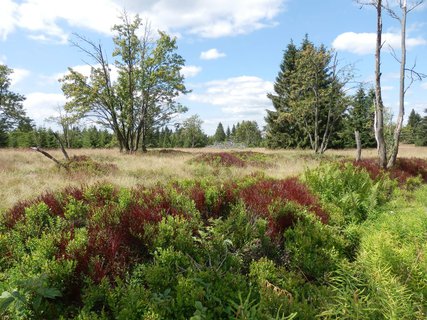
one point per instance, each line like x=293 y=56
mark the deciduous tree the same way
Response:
x=144 y=95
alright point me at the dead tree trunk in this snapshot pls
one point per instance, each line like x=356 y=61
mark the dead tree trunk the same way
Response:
x=62 y=147
x=379 y=107
x=358 y=145
x=60 y=164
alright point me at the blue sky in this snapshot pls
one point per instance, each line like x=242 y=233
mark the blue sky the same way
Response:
x=232 y=48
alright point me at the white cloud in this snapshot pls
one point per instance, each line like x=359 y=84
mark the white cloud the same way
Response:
x=211 y=19
x=387 y=88
x=364 y=43
x=424 y=85
x=44 y=18
x=7 y=17
x=211 y=54
x=206 y=18
x=40 y=105
x=244 y=95
x=190 y=71
x=18 y=75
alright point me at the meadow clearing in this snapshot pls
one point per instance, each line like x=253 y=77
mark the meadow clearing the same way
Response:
x=25 y=173
x=212 y=234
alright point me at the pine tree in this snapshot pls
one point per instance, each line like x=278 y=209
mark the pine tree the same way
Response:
x=219 y=135
x=228 y=133
x=281 y=131
x=411 y=128
x=309 y=99
x=421 y=132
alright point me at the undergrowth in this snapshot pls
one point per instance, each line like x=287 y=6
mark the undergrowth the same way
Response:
x=338 y=242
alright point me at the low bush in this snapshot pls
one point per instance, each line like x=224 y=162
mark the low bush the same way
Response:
x=334 y=244
x=404 y=169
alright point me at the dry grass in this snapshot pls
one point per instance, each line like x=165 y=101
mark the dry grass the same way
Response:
x=26 y=174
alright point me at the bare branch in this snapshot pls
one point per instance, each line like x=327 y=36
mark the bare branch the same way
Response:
x=415 y=5
x=46 y=154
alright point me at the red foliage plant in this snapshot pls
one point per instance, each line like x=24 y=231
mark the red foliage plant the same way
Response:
x=226 y=196
x=404 y=169
x=221 y=159
x=259 y=197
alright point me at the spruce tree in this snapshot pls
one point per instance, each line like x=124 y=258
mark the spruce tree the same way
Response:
x=219 y=135
x=281 y=131
x=309 y=99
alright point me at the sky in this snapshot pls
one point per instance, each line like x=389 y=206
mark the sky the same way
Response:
x=232 y=48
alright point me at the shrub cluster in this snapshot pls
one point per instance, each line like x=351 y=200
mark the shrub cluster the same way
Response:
x=234 y=159
x=405 y=168
x=256 y=248
x=85 y=164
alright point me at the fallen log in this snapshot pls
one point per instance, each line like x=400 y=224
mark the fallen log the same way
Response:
x=46 y=154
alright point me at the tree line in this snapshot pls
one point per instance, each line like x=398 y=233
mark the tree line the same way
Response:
x=137 y=108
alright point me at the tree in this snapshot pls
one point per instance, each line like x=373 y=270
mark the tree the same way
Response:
x=408 y=132
x=220 y=135
x=192 y=133
x=12 y=113
x=420 y=132
x=281 y=130
x=66 y=121
x=247 y=132
x=144 y=95
x=311 y=98
x=393 y=146
x=228 y=133
x=361 y=119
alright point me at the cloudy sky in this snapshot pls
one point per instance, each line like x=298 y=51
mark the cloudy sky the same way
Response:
x=232 y=49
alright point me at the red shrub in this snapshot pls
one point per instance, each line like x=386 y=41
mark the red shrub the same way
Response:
x=52 y=201
x=74 y=192
x=401 y=172
x=371 y=166
x=16 y=213
x=221 y=159
x=260 y=196
x=413 y=167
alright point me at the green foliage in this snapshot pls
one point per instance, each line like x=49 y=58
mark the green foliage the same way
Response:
x=220 y=135
x=360 y=118
x=247 y=132
x=349 y=189
x=198 y=250
x=191 y=133
x=12 y=113
x=309 y=99
x=144 y=96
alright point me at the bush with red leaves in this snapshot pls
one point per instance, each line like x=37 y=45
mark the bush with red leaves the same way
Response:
x=271 y=199
x=220 y=159
x=404 y=169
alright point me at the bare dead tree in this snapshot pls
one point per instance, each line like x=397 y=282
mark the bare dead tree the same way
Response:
x=394 y=148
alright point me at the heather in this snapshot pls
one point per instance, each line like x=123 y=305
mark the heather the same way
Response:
x=332 y=242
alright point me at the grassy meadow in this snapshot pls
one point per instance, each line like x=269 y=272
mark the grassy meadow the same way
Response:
x=213 y=234
x=26 y=173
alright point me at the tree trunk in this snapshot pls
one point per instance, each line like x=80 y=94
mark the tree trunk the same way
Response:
x=62 y=147
x=379 y=107
x=399 y=123
x=358 y=145
x=60 y=164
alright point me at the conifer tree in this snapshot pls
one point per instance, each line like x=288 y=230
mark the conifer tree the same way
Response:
x=220 y=135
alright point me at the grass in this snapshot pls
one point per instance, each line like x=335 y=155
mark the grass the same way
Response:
x=26 y=174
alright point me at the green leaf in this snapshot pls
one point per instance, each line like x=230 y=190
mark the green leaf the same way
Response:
x=6 y=299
